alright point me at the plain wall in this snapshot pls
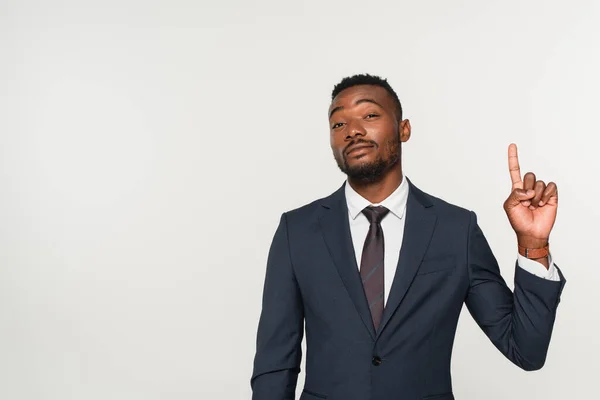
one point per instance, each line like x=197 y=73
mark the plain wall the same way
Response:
x=148 y=149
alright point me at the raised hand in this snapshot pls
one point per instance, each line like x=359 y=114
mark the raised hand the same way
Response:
x=531 y=207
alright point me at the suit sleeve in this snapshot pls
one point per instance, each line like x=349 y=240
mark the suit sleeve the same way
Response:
x=519 y=324
x=281 y=326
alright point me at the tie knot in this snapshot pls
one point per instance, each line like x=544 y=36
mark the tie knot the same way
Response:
x=375 y=214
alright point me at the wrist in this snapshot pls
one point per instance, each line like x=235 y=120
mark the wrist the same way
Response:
x=532 y=243
x=534 y=249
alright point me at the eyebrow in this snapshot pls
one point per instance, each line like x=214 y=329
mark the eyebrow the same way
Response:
x=357 y=102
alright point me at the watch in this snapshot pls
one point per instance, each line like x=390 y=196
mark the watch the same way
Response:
x=534 y=253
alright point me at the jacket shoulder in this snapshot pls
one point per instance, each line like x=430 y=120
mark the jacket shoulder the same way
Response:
x=310 y=212
x=307 y=210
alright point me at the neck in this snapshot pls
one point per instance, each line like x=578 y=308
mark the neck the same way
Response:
x=379 y=190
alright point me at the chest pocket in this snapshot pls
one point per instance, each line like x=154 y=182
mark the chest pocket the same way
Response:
x=437 y=264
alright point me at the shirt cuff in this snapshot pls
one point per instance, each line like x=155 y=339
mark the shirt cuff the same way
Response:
x=538 y=269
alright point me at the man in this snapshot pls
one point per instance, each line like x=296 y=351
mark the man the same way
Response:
x=379 y=270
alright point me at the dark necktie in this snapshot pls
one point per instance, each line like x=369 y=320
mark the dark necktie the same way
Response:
x=371 y=263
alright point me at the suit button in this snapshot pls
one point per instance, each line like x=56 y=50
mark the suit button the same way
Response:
x=376 y=361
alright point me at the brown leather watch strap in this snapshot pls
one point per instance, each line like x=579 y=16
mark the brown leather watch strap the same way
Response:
x=535 y=253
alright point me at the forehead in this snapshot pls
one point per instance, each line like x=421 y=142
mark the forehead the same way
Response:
x=349 y=96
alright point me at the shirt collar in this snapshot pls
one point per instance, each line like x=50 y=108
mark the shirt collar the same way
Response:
x=395 y=202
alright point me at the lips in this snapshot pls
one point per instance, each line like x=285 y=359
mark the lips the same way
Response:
x=358 y=147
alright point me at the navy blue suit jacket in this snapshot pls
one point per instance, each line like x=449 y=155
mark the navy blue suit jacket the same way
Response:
x=313 y=282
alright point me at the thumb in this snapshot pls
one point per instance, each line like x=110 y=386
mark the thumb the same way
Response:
x=519 y=195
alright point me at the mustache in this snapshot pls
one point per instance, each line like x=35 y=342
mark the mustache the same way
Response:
x=359 y=141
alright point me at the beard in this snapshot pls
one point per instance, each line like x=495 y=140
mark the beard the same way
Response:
x=369 y=172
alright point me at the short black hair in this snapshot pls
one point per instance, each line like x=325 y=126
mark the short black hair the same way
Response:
x=366 y=79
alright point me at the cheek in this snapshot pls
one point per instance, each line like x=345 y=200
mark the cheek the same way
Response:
x=336 y=142
x=376 y=134
x=382 y=133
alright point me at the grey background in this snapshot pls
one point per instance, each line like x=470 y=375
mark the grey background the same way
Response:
x=148 y=148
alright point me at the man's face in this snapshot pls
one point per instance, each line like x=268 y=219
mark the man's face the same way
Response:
x=365 y=132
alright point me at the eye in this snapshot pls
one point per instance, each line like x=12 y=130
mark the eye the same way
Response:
x=337 y=125
x=371 y=115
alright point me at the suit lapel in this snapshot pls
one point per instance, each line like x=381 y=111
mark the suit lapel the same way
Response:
x=418 y=230
x=336 y=232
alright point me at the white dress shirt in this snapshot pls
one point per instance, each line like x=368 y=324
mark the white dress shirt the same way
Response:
x=393 y=233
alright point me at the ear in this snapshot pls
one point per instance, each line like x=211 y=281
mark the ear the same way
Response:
x=404 y=130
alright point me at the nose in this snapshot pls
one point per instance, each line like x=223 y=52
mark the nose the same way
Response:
x=355 y=129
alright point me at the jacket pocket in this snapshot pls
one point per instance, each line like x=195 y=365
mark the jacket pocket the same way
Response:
x=443 y=396
x=437 y=264
x=309 y=395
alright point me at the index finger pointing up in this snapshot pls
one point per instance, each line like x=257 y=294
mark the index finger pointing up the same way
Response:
x=513 y=167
